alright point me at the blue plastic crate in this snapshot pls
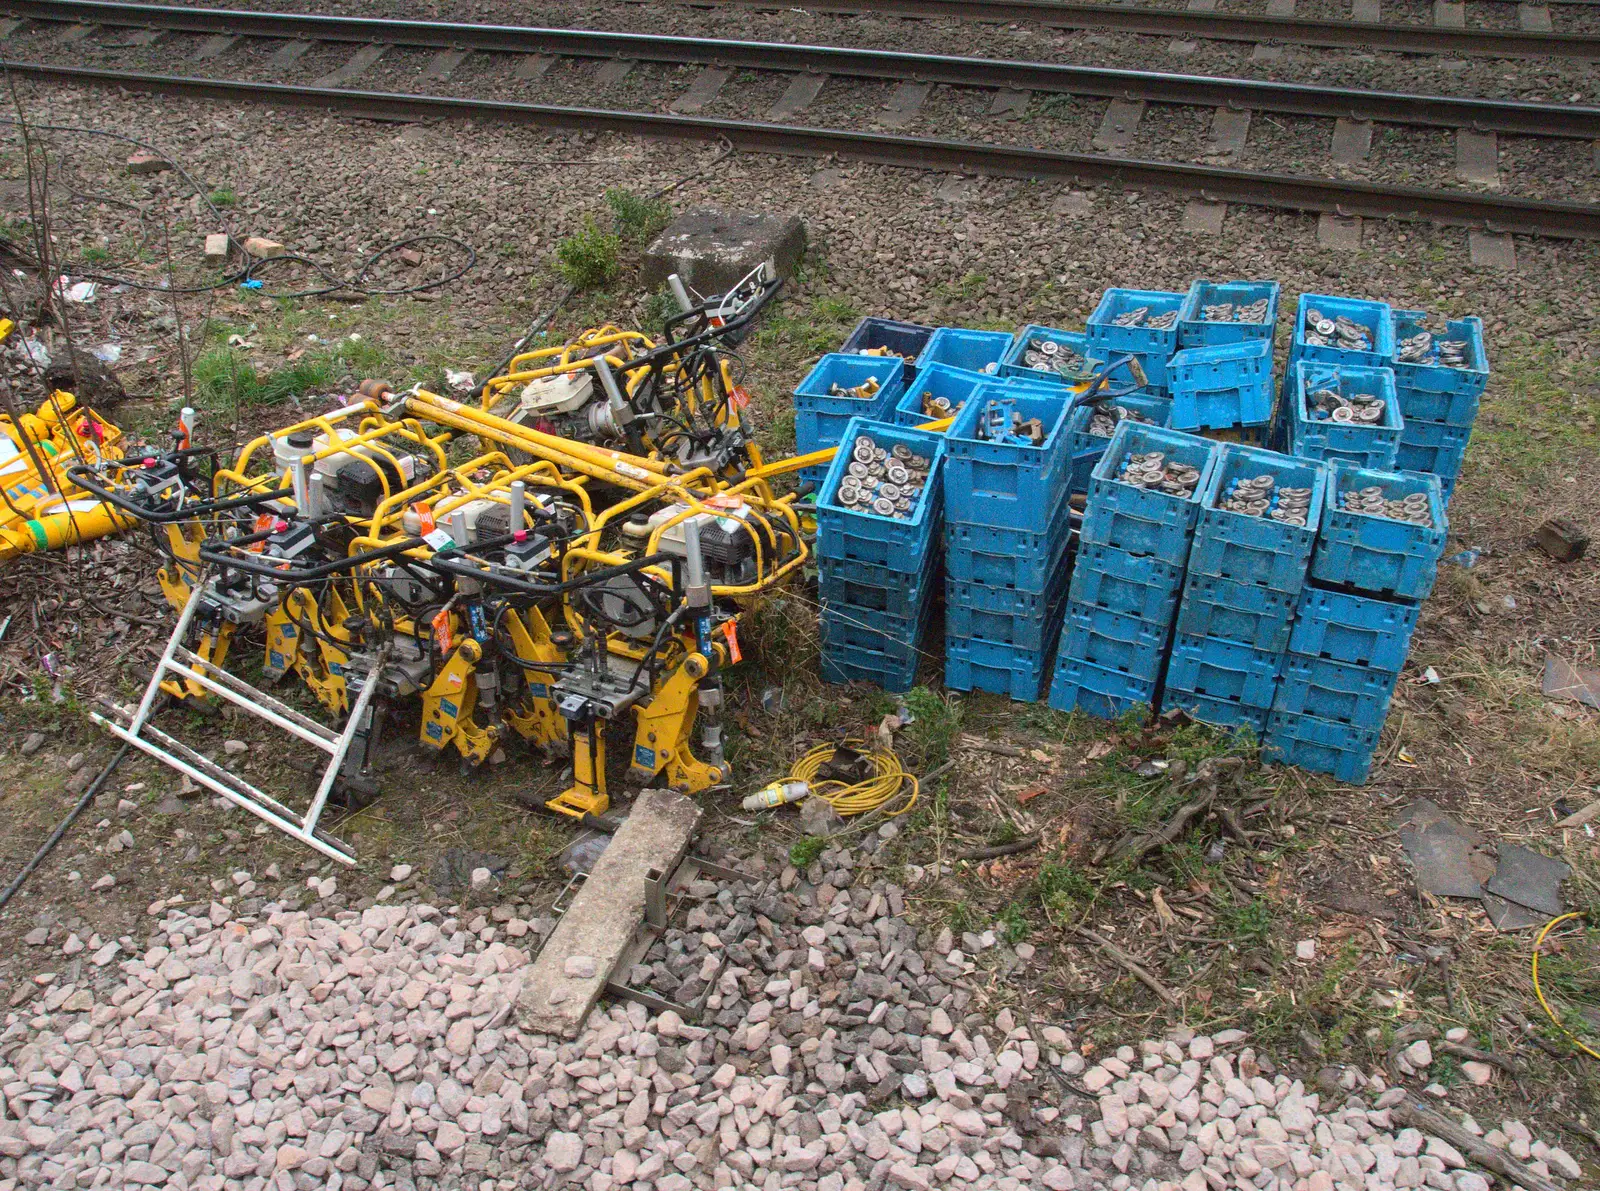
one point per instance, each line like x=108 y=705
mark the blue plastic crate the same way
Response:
x=1087 y=448
x=1351 y=628
x=1365 y=444
x=853 y=628
x=1223 y=670
x=1220 y=713
x=1448 y=409
x=842 y=583
x=885 y=335
x=1239 y=612
x=961 y=347
x=1007 y=485
x=1079 y=686
x=1008 y=557
x=1223 y=386
x=820 y=418
x=1123 y=643
x=1142 y=340
x=1379 y=555
x=1374 y=316
x=1003 y=669
x=860 y=536
x=1259 y=435
x=1076 y=342
x=1250 y=549
x=1196 y=331
x=886 y=670
x=1126 y=584
x=1335 y=691
x=1320 y=746
x=1029 y=628
x=1138 y=520
x=1435 y=377
x=955 y=385
x=1432 y=448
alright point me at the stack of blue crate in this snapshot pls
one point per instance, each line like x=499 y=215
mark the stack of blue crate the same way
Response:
x=1366 y=432
x=878 y=564
x=1252 y=548
x=968 y=349
x=1139 y=323
x=1439 y=379
x=842 y=386
x=888 y=337
x=1221 y=377
x=1091 y=424
x=1333 y=330
x=1007 y=531
x=1138 y=523
x=1377 y=554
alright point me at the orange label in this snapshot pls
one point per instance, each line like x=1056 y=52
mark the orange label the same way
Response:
x=425 y=517
x=441 y=630
x=263 y=523
x=739 y=398
x=730 y=630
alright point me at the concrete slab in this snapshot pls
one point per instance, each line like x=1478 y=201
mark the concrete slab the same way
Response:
x=1534 y=18
x=802 y=90
x=73 y=34
x=1230 y=129
x=956 y=189
x=712 y=248
x=1450 y=14
x=360 y=62
x=1119 y=125
x=904 y=103
x=1182 y=49
x=214 y=47
x=1369 y=12
x=604 y=915
x=1340 y=232
x=1203 y=218
x=291 y=52
x=444 y=64
x=1007 y=102
x=533 y=66
x=1202 y=5
x=613 y=72
x=1280 y=8
x=1489 y=250
x=826 y=179
x=703 y=90
x=1530 y=879
x=9 y=26
x=1073 y=203
x=1266 y=53
x=1352 y=141
x=1478 y=157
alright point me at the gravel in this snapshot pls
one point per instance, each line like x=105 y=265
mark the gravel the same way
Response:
x=838 y=1052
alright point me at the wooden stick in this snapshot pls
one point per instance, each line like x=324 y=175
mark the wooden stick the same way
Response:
x=1481 y=1056
x=992 y=746
x=1143 y=976
x=1579 y=818
x=1420 y=1116
x=1016 y=845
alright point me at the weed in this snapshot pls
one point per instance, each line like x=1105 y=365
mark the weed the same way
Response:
x=1014 y=924
x=96 y=255
x=936 y=721
x=223 y=196
x=658 y=308
x=962 y=917
x=639 y=218
x=1006 y=832
x=803 y=853
x=1250 y=923
x=589 y=258
x=1061 y=886
x=225 y=378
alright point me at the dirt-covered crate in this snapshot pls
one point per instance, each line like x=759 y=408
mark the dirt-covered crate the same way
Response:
x=1361 y=630
x=1114 y=642
x=1080 y=686
x=1024 y=620
x=857 y=649
x=1144 y=494
x=1344 y=413
x=1090 y=427
x=1382 y=533
x=1223 y=670
x=1426 y=359
x=1433 y=448
x=1221 y=387
x=1258 y=518
x=963 y=347
x=842 y=583
x=1006 y=462
x=1002 y=669
x=1126 y=584
x=1335 y=691
x=839 y=388
x=1243 y=613
x=1048 y=355
x=1342 y=330
x=856 y=520
x=1220 y=713
x=887 y=337
x=1321 y=746
x=1022 y=559
x=1221 y=312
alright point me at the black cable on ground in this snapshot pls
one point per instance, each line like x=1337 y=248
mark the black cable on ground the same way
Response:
x=61 y=827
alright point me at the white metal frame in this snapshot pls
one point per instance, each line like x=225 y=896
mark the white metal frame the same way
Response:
x=185 y=665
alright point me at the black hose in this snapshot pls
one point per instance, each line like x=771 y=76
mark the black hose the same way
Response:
x=61 y=827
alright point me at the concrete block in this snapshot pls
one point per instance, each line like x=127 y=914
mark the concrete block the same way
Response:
x=262 y=248
x=217 y=248
x=711 y=248
x=147 y=163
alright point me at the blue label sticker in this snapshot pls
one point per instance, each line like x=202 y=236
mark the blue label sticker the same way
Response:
x=448 y=708
x=539 y=690
x=434 y=731
x=644 y=758
x=290 y=632
x=336 y=669
x=276 y=661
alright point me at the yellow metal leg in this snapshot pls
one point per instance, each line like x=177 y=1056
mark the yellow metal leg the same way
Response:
x=587 y=794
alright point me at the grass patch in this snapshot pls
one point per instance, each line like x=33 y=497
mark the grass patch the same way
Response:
x=590 y=258
x=225 y=377
x=1062 y=887
x=223 y=196
x=639 y=217
x=936 y=721
x=803 y=853
x=1013 y=923
x=95 y=254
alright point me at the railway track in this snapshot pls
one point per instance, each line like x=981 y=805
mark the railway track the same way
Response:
x=1013 y=78
x=534 y=50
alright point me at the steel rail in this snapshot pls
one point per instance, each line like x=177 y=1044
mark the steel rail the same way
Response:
x=1219 y=26
x=1493 y=212
x=1508 y=116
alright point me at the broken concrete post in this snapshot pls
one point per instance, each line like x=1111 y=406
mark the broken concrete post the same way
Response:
x=217 y=248
x=411 y=257
x=262 y=248
x=147 y=163
x=1562 y=539
x=712 y=249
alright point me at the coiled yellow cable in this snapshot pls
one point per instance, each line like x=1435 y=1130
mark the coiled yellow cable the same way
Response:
x=1539 y=992
x=890 y=789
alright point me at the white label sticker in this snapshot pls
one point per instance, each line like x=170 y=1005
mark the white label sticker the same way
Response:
x=438 y=539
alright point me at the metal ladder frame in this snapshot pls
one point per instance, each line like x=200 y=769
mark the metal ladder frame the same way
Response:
x=186 y=665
